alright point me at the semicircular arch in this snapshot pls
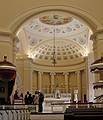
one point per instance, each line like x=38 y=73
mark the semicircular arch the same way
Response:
x=79 y=13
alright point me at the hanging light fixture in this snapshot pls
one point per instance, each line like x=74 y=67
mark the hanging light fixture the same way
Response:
x=54 y=48
x=55 y=19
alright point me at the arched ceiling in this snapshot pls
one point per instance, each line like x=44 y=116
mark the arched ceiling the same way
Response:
x=40 y=34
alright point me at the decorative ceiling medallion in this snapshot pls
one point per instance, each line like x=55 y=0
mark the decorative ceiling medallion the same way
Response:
x=55 y=19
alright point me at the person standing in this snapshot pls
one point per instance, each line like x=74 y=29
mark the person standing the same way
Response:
x=41 y=100
x=30 y=99
x=27 y=98
x=36 y=100
x=16 y=96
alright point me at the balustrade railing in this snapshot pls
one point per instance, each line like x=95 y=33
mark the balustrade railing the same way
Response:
x=22 y=112
x=63 y=105
x=14 y=112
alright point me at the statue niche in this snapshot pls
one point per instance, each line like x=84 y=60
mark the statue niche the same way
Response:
x=7 y=80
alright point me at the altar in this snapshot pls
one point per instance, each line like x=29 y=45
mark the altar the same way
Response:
x=57 y=104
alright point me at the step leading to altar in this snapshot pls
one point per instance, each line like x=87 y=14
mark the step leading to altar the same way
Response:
x=47 y=116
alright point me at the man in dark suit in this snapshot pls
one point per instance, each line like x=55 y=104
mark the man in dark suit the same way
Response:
x=27 y=98
x=41 y=100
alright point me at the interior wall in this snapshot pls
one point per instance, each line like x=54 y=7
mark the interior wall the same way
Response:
x=7 y=47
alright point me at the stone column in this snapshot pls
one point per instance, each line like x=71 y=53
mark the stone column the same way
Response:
x=97 y=39
x=66 y=81
x=79 y=84
x=40 y=80
x=52 y=81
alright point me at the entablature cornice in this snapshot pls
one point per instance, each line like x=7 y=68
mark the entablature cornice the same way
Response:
x=60 y=69
x=98 y=35
x=7 y=33
x=70 y=68
x=7 y=36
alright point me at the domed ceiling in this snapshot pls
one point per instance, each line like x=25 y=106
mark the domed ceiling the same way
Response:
x=54 y=31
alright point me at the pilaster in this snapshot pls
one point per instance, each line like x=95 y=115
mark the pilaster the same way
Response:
x=40 y=80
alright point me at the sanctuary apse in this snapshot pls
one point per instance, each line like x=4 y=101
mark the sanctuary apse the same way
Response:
x=30 y=46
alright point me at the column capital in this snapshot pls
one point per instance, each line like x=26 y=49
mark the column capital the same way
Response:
x=52 y=73
x=77 y=72
x=65 y=73
x=40 y=72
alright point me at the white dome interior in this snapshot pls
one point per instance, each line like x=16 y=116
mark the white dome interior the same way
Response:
x=37 y=36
